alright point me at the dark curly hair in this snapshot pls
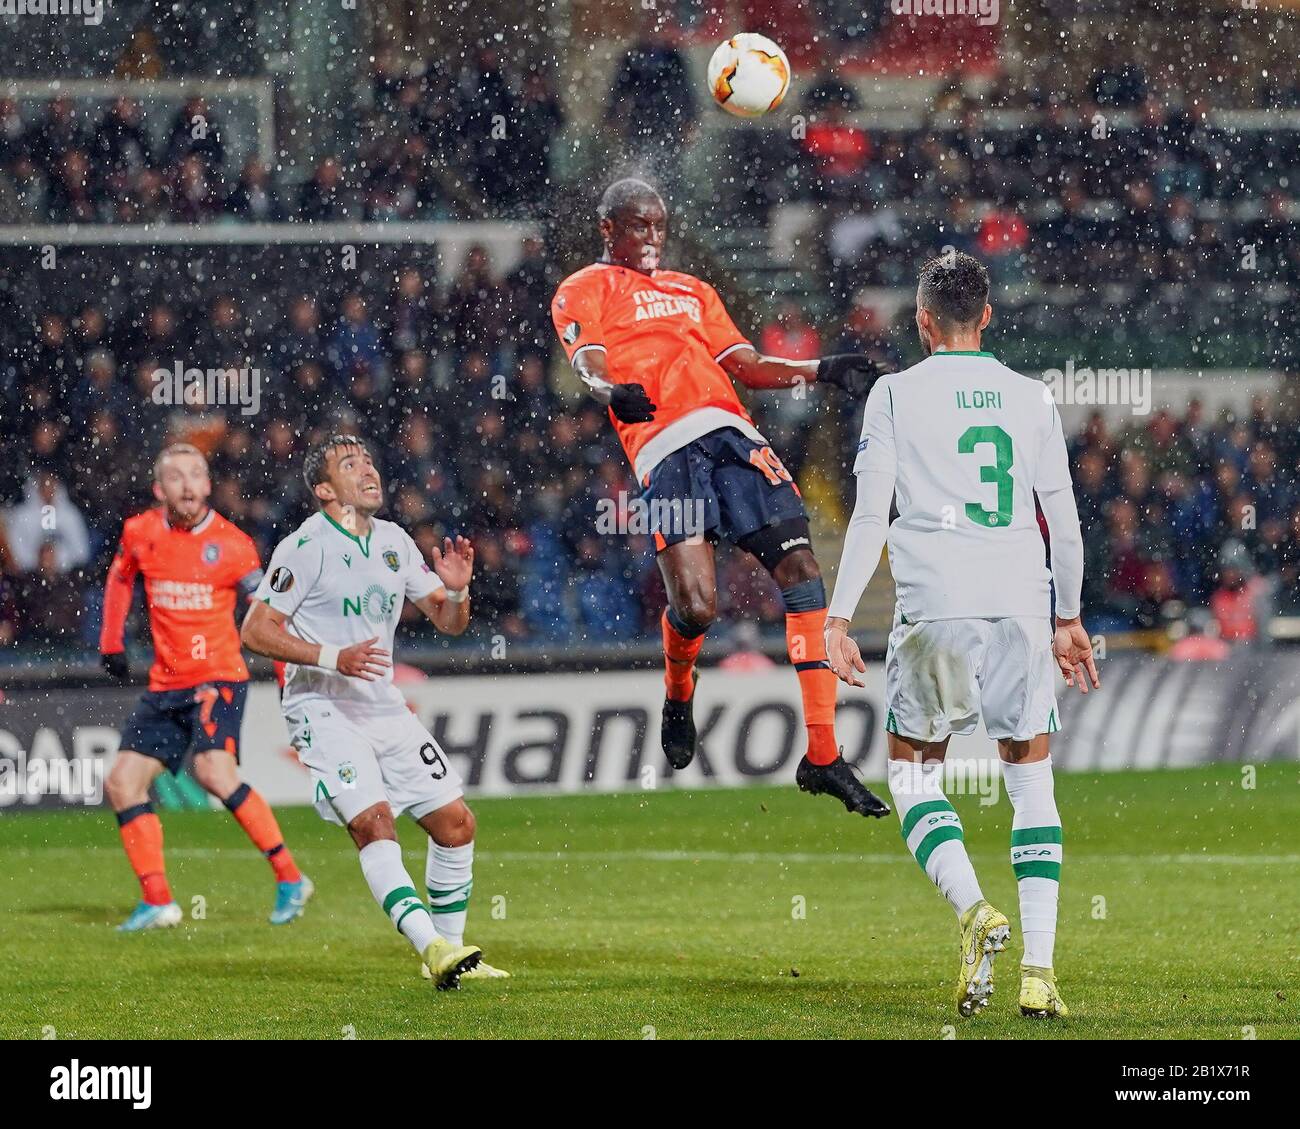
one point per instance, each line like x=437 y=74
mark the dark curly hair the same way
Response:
x=954 y=288
x=313 y=466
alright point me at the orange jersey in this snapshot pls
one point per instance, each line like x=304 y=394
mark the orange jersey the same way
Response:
x=666 y=331
x=193 y=580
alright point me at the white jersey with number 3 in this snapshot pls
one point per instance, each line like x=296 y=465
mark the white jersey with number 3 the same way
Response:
x=968 y=441
x=338 y=588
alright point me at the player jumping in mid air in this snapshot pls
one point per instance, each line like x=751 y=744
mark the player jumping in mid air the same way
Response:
x=196 y=566
x=658 y=348
x=329 y=606
x=964 y=443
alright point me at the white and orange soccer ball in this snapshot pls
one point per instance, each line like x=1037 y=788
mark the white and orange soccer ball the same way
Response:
x=749 y=75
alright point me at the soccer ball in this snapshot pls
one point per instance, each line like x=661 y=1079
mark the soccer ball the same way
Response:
x=749 y=75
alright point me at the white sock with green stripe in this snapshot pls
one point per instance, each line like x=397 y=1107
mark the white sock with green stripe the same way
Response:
x=1035 y=855
x=933 y=831
x=449 y=877
x=381 y=863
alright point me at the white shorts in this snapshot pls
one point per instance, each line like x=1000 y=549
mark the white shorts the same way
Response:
x=359 y=761
x=940 y=676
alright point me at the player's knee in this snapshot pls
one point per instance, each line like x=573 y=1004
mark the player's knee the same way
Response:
x=453 y=825
x=122 y=792
x=697 y=608
x=113 y=790
x=797 y=568
x=470 y=825
x=1024 y=752
x=462 y=830
x=124 y=788
x=785 y=550
x=218 y=779
x=373 y=825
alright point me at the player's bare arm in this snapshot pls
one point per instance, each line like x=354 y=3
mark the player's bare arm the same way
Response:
x=447 y=608
x=853 y=372
x=264 y=633
x=629 y=402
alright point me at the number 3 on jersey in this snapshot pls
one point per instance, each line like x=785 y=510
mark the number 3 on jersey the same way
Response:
x=998 y=471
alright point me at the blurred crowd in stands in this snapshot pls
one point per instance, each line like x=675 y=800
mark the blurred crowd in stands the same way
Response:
x=1187 y=512
x=1064 y=195
x=436 y=145
x=1115 y=195
x=1081 y=190
x=1094 y=215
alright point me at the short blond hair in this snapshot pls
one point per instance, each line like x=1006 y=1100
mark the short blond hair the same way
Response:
x=176 y=449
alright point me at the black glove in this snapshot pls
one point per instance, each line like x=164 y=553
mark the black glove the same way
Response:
x=854 y=372
x=630 y=403
x=116 y=665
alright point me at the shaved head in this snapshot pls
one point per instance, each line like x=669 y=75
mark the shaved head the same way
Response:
x=624 y=194
x=633 y=224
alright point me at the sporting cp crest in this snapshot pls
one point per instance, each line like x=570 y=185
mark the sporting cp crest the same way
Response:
x=391 y=559
x=348 y=774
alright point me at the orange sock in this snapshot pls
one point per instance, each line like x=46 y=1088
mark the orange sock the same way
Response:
x=254 y=815
x=142 y=836
x=806 y=646
x=679 y=660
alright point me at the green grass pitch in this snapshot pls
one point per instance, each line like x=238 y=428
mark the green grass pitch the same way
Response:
x=675 y=915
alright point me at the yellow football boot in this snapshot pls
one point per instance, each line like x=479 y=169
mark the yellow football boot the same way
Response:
x=447 y=963
x=485 y=971
x=481 y=971
x=984 y=934
x=1039 y=998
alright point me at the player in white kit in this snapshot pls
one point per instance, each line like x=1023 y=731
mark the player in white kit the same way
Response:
x=964 y=444
x=328 y=606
